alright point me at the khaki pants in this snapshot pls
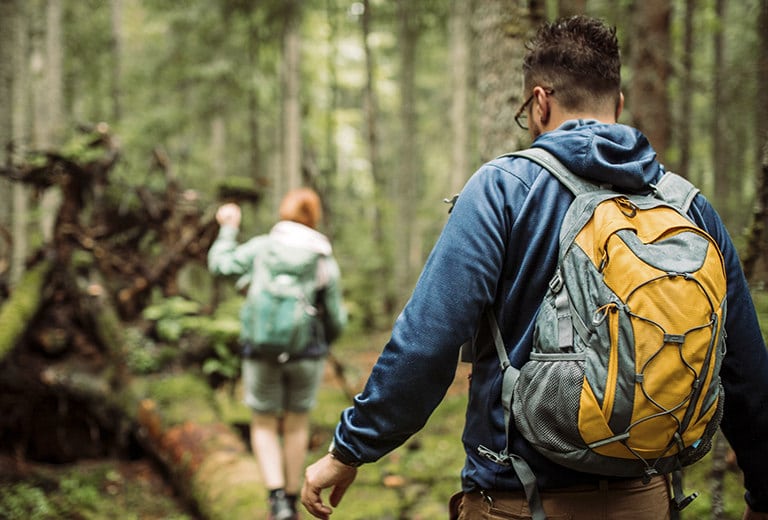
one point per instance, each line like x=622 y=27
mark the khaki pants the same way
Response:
x=624 y=500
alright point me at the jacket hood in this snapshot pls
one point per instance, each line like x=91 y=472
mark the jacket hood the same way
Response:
x=613 y=154
x=299 y=236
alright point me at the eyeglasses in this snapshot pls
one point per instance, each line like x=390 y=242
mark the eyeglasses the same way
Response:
x=521 y=116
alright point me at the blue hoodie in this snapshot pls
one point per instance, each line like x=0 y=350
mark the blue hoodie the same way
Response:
x=499 y=248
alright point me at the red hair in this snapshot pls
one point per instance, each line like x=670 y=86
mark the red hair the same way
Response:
x=301 y=205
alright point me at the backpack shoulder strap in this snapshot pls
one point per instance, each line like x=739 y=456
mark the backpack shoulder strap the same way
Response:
x=543 y=158
x=677 y=191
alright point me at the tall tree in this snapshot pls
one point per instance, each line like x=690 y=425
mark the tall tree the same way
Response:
x=117 y=58
x=571 y=7
x=684 y=123
x=719 y=124
x=290 y=171
x=762 y=79
x=382 y=266
x=48 y=121
x=648 y=100
x=501 y=28
x=461 y=11
x=406 y=177
x=8 y=39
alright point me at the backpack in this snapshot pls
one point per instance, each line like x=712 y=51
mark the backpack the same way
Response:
x=623 y=378
x=280 y=308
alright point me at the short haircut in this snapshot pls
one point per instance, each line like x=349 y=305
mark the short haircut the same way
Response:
x=301 y=205
x=578 y=57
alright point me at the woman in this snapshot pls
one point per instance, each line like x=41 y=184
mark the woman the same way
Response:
x=281 y=388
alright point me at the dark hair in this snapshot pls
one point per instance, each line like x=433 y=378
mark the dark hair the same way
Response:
x=577 y=57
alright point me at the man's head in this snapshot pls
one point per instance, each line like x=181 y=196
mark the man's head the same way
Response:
x=575 y=61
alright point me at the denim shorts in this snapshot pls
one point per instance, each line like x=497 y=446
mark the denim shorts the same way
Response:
x=272 y=387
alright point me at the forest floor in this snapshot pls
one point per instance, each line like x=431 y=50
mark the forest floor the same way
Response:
x=414 y=482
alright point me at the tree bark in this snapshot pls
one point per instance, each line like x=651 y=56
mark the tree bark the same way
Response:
x=684 y=119
x=648 y=100
x=405 y=177
x=8 y=50
x=62 y=338
x=571 y=7
x=757 y=238
x=174 y=418
x=461 y=12
x=117 y=59
x=291 y=74
x=501 y=28
x=762 y=85
x=721 y=188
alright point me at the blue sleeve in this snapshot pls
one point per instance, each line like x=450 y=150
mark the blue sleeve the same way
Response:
x=745 y=368
x=419 y=362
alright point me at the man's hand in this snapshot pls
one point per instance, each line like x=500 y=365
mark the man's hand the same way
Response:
x=754 y=515
x=228 y=215
x=325 y=473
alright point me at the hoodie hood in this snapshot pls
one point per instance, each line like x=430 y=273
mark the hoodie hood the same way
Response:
x=604 y=153
x=299 y=236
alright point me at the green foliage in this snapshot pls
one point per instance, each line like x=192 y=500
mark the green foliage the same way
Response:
x=169 y=314
x=91 y=491
x=226 y=364
x=145 y=356
x=25 y=501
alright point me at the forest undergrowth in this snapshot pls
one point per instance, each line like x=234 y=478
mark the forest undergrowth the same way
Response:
x=413 y=482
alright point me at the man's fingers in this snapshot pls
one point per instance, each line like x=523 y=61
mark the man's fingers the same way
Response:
x=338 y=492
x=313 y=502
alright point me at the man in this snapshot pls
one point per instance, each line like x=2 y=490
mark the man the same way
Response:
x=499 y=249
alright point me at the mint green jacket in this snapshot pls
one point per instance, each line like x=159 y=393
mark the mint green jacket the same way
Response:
x=229 y=258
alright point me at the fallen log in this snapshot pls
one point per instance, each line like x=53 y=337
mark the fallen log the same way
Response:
x=208 y=461
x=175 y=419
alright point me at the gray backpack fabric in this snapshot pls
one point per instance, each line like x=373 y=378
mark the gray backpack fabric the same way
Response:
x=623 y=379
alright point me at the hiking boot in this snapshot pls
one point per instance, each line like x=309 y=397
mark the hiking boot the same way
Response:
x=280 y=508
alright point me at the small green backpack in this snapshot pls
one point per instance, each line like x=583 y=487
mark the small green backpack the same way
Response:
x=280 y=307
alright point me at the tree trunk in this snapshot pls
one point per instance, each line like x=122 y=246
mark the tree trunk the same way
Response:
x=684 y=120
x=330 y=149
x=754 y=263
x=571 y=7
x=501 y=28
x=8 y=58
x=717 y=475
x=762 y=86
x=49 y=122
x=648 y=101
x=380 y=209
x=461 y=12
x=405 y=178
x=254 y=152
x=721 y=188
x=291 y=74
x=117 y=59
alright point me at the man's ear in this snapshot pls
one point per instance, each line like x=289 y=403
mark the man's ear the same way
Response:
x=541 y=105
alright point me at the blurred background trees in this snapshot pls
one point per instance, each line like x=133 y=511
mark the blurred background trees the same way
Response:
x=384 y=106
